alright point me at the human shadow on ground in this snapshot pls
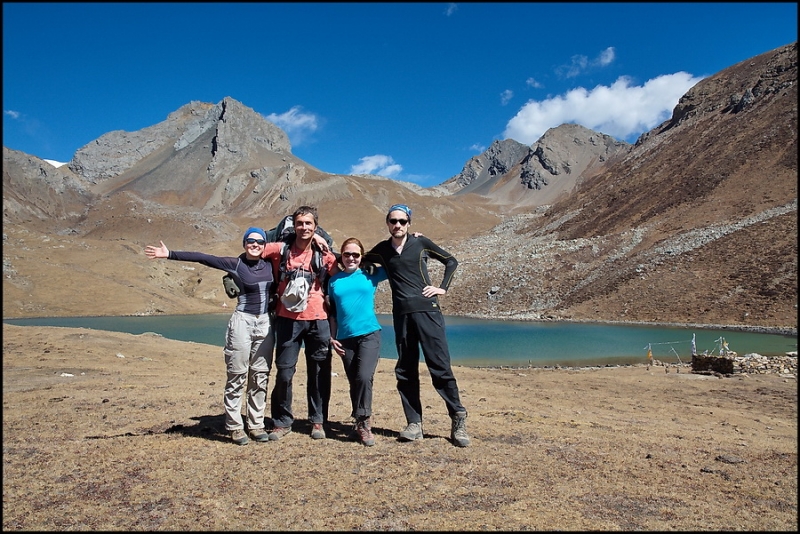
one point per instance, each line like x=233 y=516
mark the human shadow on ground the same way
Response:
x=212 y=427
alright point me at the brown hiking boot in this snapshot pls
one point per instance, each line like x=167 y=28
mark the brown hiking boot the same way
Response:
x=364 y=432
x=239 y=437
x=278 y=432
x=412 y=432
x=259 y=434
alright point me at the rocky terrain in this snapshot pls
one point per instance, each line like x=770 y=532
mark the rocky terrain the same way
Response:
x=694 y=223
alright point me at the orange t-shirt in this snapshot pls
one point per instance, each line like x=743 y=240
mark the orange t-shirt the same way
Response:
x=315 y=309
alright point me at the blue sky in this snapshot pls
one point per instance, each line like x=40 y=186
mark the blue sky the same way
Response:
x=409 y=91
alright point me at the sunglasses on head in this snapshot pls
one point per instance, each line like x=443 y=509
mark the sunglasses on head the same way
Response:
x=354 y=255
x=402 y=222
x=250 y=241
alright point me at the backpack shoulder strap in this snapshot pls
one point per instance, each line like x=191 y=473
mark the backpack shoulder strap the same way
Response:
x=284 y=260
x=318 y=267
x=317 y=263
x=316 y=259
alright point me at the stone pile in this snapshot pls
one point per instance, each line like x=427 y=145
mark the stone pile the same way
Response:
x=752 y=363
x=755 y=363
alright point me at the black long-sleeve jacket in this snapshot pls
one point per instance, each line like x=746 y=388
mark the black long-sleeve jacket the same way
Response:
x=408 y=272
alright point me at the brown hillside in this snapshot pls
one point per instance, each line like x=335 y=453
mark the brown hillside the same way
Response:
x=697 y=223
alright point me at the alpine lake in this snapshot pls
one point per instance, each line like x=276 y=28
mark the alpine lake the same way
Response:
x=492 y=343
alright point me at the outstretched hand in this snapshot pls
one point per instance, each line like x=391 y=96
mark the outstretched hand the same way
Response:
x=156 y=252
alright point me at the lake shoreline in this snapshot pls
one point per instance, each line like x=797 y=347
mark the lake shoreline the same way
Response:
x=780 y=330
x=469 y=347
x=526 y=318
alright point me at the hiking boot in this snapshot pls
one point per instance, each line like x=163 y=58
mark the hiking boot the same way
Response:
x=259 y=434
x=458 y=430
x=412 y=431
x=317 y=432
x=364 y=432
x=239 y=437
x=278 y=432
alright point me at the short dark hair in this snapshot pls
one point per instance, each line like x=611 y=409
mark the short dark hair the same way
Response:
x=306 y=210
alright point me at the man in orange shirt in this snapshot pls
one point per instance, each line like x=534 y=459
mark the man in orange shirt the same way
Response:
x=306 y=325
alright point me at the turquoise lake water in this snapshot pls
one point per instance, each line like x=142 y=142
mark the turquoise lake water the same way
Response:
x=481 y=343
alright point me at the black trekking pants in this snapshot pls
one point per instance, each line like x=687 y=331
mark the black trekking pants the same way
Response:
x=425 y=330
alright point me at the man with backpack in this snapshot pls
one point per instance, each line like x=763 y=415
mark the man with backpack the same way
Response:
x=303 y=265
x=282 y=232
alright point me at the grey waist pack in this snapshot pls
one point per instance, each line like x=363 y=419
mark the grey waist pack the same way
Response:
x=231 y=289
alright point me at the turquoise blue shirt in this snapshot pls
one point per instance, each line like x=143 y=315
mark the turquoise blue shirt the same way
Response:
x=353 y=302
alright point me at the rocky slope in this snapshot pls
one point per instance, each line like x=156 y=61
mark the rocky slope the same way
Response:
x=695 y=223
x=698 y=223
x=518 y=175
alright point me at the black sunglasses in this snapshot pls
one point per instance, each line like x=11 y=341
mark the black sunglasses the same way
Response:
x=250 y=241
x=354 y=255
x=402 y=222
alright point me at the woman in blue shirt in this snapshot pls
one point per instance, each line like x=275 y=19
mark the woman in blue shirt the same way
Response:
x=355 y=331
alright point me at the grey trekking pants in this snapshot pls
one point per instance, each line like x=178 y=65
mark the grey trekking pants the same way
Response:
x=249 y=345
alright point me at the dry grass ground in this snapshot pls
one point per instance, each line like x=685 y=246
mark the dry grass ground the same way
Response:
x=131 y=441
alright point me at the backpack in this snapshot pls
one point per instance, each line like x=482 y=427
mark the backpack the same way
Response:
x=285 y=228
x=318 y=269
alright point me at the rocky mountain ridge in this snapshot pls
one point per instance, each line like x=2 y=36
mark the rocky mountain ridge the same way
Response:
x=695 y=223
x=551 y=166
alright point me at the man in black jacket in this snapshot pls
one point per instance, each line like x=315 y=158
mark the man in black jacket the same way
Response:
x=418 y=321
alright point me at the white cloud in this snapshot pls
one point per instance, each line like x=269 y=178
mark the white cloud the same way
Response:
x=621 y=110
x=530 y=82
x=298 y=125
x=580 y=63
x=55 y=163
x=477 y=147
x=606 y=56
x=377 y=164
x=505 y=96
x=451 y=8
x=577 y=65
x=31 y=127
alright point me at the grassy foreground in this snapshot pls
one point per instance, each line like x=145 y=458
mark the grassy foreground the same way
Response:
x=112 y=431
